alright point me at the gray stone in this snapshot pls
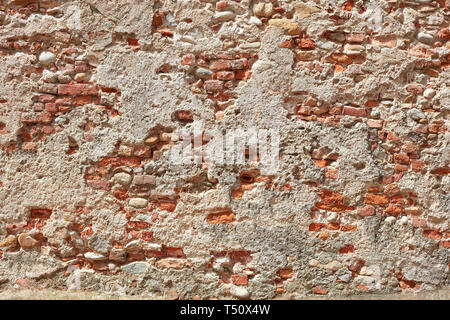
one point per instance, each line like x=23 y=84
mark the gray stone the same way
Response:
x=138 y=267
x=203 y=73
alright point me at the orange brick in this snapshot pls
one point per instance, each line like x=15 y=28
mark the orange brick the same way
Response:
x=376 y=199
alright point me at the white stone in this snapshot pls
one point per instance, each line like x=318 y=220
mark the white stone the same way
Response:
x=134 y=245
x=429 y=93
x=333 y=265
x=153 y=246
x=403 y=220
x=224 y=16
x=366 y=271
x=353 y=49
x=390 y=219
x=425 y=37
x=416 y=114
x=254 y=20
x=47 y=57
x=263 y=9
x=314 y=263
x=138 y=202
x=94 y=256
x=122 y=178
x=240 y=292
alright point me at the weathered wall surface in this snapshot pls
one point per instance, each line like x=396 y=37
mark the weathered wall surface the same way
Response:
x=92 y=92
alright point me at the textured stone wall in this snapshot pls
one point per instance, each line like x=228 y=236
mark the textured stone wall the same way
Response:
x=93 y=93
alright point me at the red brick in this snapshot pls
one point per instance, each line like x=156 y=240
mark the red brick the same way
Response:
x=77 y=89
x=319 y=290
x=243 y=75
x=286 y=273
x=133 y=42
x=432 y=234
x=331 y=197
x=419 y=222
x=316 y=226
x=401 y=158
x=341 y=58
x=45 y=98
x=311 y=102
x=400 y=168
x=376 y=199
x=393 y=210
x=220 y=65
x=40 y=213
x=188 y=60
x=120 y=194
x=331 y=173
x=221 y=5
x=417 y=165
x=356 y=112
x=221 y=217
x=391 y=190
x=306 y=44
x=384 y=41
x=445 y=244
x=377 y=124
x=444 y=33
x=225 y=75
x=371 y=103
x=82 y=100
x=120 y=161
x=420 y=52
x=333 y=226
x=51 y=107
x=348 y=228
x=348 y=248
x=213 y=85
x=366 y=211
x=239 y=280
x=138 y=225
x=334 y=207
x=185 y=116
x=66 y=101
x=144 y=180
x=415 y=89
x=165 y=32
x=355 y=37
x=167 y=206
x=99 y=184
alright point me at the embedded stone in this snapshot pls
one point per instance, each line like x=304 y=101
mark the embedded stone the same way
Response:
x=263 y=9
x=26 y=241
x=429 y=93
x=9 y=242
x=47 y=57
x=240 y=292
x=425 y=37
x=138 y=203
x=224 y=16
x=353 y=49
x=290 y=28
x=138 y=267
x=203 y=73
x=122 y=178
x=94 y=256
x=304 y=11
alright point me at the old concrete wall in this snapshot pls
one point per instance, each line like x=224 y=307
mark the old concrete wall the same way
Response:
x=93 y=92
